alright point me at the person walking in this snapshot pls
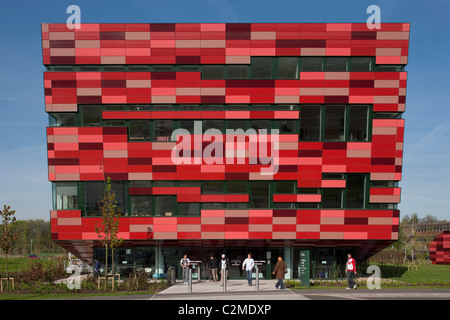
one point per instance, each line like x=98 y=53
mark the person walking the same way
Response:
x=248 y=265
x=96 y=268
x=279 y=272
x=185 y=264
x=224 y=266
x=213 y=269
x=351 y=271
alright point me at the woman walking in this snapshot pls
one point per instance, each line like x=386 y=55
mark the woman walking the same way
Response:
x=279 y=272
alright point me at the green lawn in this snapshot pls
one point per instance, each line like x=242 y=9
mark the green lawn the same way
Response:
x=14 y=264
x=424 y=273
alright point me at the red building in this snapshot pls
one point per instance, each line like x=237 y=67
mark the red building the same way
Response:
x=440 y=249
x=335 y=93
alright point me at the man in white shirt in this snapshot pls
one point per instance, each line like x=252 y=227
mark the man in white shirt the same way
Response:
x=248 y=265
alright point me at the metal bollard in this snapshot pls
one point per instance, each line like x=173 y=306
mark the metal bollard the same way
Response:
x=257 y=279
x=224 y=280
x=190 y=281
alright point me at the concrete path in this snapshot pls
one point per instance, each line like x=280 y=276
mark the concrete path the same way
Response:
x=236 y=290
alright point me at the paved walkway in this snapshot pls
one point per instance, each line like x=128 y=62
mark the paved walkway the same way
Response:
x=236 y=290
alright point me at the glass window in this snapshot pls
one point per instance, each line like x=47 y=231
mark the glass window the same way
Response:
x=162 y=130
x=312 y=64
x=117 y=68
x=139 y=130
x=217 y=125
x=139 y=107
x=355 y=190
x=286 y=187
x=189 y=107
x=287 y=126
x=62 y=119
x=141 y=183
x=259 y=194
x=92 y=115
x=310 y=123
x=361 y=63
x=90 y=68
x=332 y=198
x=138 y=68
x=162 y=68
x=212 y=72
x=235 y=186
x=94 y=197
x=237 y=72
x=237 y=205
x=336 y=64
x=163 y=183
x=335 y=123
x=389 y=68
x=164 y=205
x=189 y=208
x=262 y=68
x=188 y=125
x=120 y=189
x=332 y=176
x=212 y=205
x=189 y=183
x=358 y=123
x=288 y=68
x=145 y=259
x=260 y=125
x=141 y=205
x=65 y=196
x=114 y=123
x=237 y=124
x=212 y=187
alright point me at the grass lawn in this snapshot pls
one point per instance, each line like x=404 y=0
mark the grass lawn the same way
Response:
x=14 y=264
x=424 y=273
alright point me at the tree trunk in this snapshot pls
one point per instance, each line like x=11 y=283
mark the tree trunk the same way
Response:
x=7 y=273
x=106 y=266
x=112 y=267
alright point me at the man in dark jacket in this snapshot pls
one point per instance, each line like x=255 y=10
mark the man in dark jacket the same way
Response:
x=96 y=268
x=279 y=272
x=213 y=265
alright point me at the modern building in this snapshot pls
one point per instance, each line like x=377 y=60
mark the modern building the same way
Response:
x=328 y=99
x=440 y=249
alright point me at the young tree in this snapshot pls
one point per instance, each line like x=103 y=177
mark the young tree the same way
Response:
x=7 y=234
x=109 y=227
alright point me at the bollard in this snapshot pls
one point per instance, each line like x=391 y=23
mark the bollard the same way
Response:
x=190 y=281
x=257 y=279
x=224 y=280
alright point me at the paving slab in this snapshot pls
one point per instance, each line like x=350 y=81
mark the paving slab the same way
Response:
x=235 y=290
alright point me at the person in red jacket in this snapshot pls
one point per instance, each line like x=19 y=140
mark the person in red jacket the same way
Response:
x=351 y=272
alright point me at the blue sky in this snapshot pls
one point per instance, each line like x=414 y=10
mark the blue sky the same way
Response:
x=23 y=164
